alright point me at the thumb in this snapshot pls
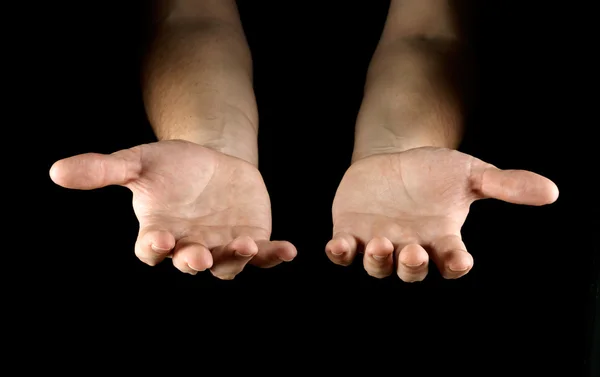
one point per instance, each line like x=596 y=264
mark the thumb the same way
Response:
x=94 y=170
x=514 y=186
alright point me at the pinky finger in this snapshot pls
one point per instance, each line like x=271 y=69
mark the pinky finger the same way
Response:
x=272 y=253
x=451 y=257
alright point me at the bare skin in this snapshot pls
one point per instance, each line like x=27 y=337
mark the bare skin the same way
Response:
x=407 y=192
x=197 y=192
x=405 y=209
x=199 y=196
x=214 y=216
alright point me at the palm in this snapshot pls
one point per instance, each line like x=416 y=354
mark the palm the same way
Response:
x=195 y=192
x=419 y=200
x=200 y=207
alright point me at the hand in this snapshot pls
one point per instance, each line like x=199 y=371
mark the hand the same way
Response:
x=204 y=209
x=405 y=208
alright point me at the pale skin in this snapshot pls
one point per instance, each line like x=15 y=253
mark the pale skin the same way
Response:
x=201 y=201
x=197 y=193
x=407 y=193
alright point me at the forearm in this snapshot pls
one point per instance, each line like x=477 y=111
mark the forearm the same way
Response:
x=414 y=94
x=197 y=85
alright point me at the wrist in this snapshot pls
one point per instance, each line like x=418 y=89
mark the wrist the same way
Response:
x=244 y=148
x=394 y=144
x=382 y=129
x=236 y=139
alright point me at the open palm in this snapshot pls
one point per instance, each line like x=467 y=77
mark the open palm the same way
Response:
x=403 y=209
x=203 y=208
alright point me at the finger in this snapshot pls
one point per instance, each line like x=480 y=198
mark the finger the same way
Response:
x=229 y=260
x=412 y=262
x=272 y=253
x=341 y=249
x=153 y=245
x=514 y=186
x=93 y=170
x=378 y=259
x=191 y=257
x=451 y=257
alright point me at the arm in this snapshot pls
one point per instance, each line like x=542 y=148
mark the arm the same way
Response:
x=197 y=78
x=194 y=202
x=415 y=89
x=406 y=210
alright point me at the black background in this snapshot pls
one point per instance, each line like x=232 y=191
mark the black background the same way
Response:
x=527 y=306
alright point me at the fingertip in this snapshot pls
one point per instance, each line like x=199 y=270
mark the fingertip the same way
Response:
x=412 y=274
x=547 y=192
x=55 y=173
x=184 y=267
x=159 y=250
x=553 y=193
x=340 y=251
x=412 y=278
x=152 y=262
x=244 y=246
x=161 y=241
x=413 y=256
x=192 y=254
x=207 y=260
x=378 y=261
x=337 y=247
x=153 y=246
x=273 y=253
x=380 y=248
x=380 y=257
x=245 y=253
x=200 y=263
x=342 y=248
x=286 y=251
x=243 y=240
x=413 y=263
x=459 y=264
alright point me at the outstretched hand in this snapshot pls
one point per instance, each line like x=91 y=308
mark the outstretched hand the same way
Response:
x=403 y=209
x=203 y=208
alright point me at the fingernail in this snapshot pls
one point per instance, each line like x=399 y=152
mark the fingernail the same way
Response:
x=458 y=269
x=286 y=260
x=409 y=265
x=243 y=254
x=193 y=269
x=337 y=253
x=380 y=257
x=158 y=249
